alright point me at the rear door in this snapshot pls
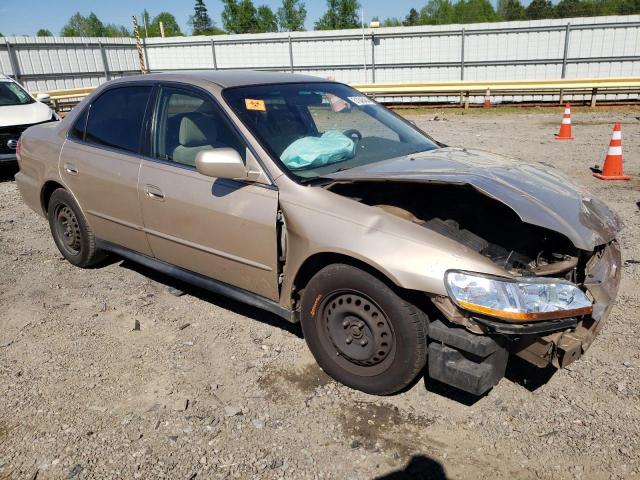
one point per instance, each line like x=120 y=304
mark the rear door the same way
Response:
x=223 y=229
x=100 y=163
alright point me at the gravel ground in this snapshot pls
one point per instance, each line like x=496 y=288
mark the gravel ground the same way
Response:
x=208 y=388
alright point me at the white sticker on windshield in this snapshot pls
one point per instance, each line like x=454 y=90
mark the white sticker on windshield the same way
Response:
x=361 y=100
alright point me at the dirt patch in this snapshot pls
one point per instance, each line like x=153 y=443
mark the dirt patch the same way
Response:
x=380 y=427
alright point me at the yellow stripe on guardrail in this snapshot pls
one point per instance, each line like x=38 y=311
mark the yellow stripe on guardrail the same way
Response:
x=498 y=85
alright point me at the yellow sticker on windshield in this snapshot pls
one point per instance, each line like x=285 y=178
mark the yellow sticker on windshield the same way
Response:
x=257 y=105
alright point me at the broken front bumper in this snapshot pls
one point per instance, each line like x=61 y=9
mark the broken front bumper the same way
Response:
x=563 y=346
x=474 y=358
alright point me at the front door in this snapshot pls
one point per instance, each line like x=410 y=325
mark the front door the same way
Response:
x=100 y=163
x=223 y=229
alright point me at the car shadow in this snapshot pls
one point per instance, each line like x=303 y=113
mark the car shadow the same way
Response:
x=8 y=171
x=528 y=375
x=218 y=300
x=419 y=467
x=452 y=393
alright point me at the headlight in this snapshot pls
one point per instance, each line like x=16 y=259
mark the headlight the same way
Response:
x=516 y=299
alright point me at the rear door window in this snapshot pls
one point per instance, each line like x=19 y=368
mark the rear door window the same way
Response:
x=115 y=118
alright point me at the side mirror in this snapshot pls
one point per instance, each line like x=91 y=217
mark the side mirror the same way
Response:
x=224 y=163
x=43 y=97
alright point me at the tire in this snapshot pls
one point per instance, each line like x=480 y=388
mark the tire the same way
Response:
x=71 y=232
x=361 y=332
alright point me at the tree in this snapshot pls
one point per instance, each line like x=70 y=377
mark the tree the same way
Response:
x=291 y=15
x=539 y=9
x=412 y=18
x=145 y=21
x=91 y=26
x=113 y=30
x=43 y=32
x=266 y=20
x=511 y=10
x=437 y=12
x=569 y=8
x=243 y=17
x=169 y=23
x=628 y=7
x=200 y=20
x=340 y=14
x=391 y=22
x=239 y=17
x=474 y=11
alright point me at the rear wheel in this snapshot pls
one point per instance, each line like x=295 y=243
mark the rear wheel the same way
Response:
x=361 y=332
x=71 y=232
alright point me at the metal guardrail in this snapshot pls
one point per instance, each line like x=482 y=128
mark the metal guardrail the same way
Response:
x=64 y=100
x=466 y=89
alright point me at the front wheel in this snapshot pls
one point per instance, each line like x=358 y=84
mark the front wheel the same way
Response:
x=361 y=332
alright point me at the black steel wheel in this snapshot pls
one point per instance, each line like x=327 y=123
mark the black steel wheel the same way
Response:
x=71 y=232
x=361 y=332
x=67 y=229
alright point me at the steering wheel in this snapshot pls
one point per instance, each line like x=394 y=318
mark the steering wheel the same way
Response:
x=353 y=134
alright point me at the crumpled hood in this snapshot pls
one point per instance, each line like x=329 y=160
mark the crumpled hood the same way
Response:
x=539 y=194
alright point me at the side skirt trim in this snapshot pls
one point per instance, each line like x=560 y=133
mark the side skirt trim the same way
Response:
x=198 y=280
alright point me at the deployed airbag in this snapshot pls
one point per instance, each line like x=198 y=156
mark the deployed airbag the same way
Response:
x=308 y=152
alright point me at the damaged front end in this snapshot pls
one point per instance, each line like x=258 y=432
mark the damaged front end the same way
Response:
x=533 y=227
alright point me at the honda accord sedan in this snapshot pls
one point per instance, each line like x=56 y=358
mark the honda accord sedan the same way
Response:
x=399 y=255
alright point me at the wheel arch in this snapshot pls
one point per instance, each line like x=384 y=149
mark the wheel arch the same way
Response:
x=316 y=262
x=48 y=188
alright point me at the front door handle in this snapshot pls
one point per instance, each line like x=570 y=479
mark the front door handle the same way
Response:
x=154 y=192
x=70 y=169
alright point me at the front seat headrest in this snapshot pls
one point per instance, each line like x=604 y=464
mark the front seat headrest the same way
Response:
x=197 y=130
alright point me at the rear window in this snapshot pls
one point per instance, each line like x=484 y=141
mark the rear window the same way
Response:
x=115 y=118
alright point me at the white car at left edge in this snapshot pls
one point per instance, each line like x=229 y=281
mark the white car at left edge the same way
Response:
x=18 y=111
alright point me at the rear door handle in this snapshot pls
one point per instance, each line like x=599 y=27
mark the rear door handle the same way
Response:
x=154 y=192
x=70 y=169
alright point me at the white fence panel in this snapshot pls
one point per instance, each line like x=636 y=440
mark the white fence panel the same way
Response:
x=541 y=49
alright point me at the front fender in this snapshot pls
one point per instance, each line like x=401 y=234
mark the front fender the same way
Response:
x=411 y=256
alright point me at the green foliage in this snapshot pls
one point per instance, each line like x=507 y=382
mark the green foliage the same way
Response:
x=412 y=18
x=340 y=14
x=437 y=12
x=474 y=11
x=169 y=22
x=43 y=32
x=91 y=26
x=440 y=12
x=267 y=20
x=200 y=21
x=291 y=15
x=511 y=10
x=539 y=9
x=243 y=17
x=391 y=22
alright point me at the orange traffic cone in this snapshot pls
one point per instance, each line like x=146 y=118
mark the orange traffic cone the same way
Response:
x=487 y=100
x=612 y=169
x=565 y=126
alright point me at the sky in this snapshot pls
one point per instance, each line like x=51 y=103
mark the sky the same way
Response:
x=26 y=17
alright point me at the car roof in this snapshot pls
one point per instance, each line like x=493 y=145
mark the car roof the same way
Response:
x=229 y=78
